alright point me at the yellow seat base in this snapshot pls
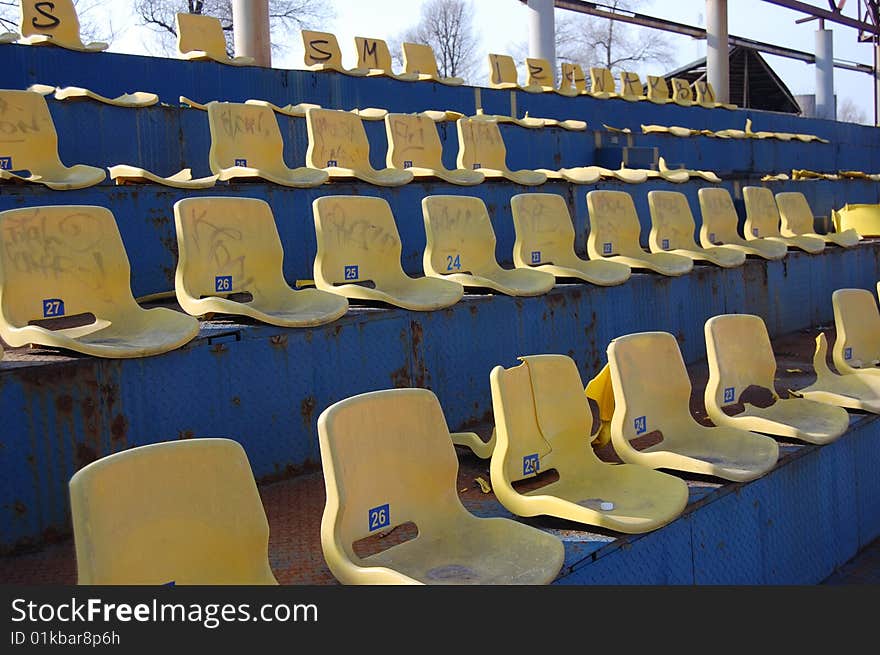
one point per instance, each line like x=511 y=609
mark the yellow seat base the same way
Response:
x=851 y=391
x=183 y=179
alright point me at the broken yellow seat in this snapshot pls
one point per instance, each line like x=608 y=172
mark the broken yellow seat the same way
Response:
x=672 y=230
x=851 y=391
x=338 y=144
x=177 y=512
x=682 y=94
x=857 y=326
x=545 y=242
x=543 y=424
x=797 y=220
x=183 y=179
x=602 y=83
x=741 y=390
x=419 y=58
x=461 y=247
x=229 y=246
x=541 y=78
x=299 y=109
x=54 y=23
x=322 y=53
x=29 y=146
x=658 y=90
x=375 y=57
x=706 y=96
x=359 y=256
x=864 y=218
x=652 y=395
x=631 y=87
x=573 y=79
x=614 y=236
x=388 y=460
x=200 y=38
x=762 y=221
x=246 y=144
x=481 y=148
x=719 y=227
x=136 y=99
x=414 y=146
x=81 y=299
x=502 y=72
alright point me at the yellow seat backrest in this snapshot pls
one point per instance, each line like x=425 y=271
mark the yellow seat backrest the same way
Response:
x=413 y=140
x=631 y=85
x=601 y=80
x=419 y=58
x=540 y=73
x=614 y=225
x=460 y=238
x=502 y=69
x=57 y=19
x=321 y=48
x=718 y=216
x=544 y=230
x=658 y=89
x=388 y=459
x=672 y=223
x=28 y=140
x=59 y=261
x=244 y=135
x=705 y=92
x=201 y=32
x=373 y=53
x=795 y=214
x=762 y=215
x=336 y=138
x=857 y=326
x=186 y=512
x=740 y=355
x=480 y=145
x=681 y=90
x=573 y=77
x=357 y=240
x=227 y=245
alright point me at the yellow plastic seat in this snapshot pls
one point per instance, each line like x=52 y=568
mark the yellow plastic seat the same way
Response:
x=419 y=58
x=481 y=148
x=502 y=72
x=183 y=179
x=338 y=144
x=652 y=394
x=682 y=93
x=706 y=96
x=322 y=53
x=414 y=146
x=229 y=246
x=30 y=144
x=136 y=99
x=857 y=326
x=79 y=296
x=762 y=221
x=543 y=424
x=602 y=83
x=541 y=78
x=864 y=218
x=200 y=38
x=573 y=78
x=672 y=230
x=631 y=87
x=668 y=173
x=545 y=242
x=359 y=252
x=461 y=247
x=614 y=236
x=674 y=130
x=375 y=57
x=388 y=461
x=299 y=109
x=54 y=23
x=658 y=90
x=742 y=369
x=797 y=220
x=246 y=144
x=177 y=512
x=719 y=227
x=851 y=391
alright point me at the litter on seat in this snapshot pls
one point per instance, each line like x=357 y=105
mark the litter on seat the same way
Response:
x=851 y=391
x=461 y=247
x=741 y=390
x=706 y=96
x=481 y=148
x=545 y=242
x=502 y=72
x=359 y=252
x=388 y=460
x=719 y=227
x=762 y=221
x=29 y=146
x=614 y=236
x=543 y=424
x=414 y=146
x=602 y=83
x=200 y=38
x=246 y=144
x=183 y=512
x=419 y=58
x=183 y=179
x=338 y=144
x=797 y=220
x=652 y=424
x=857 y=327
x=672 y=230
x=83 y=300
x=375 y=57
x=322 y=53
x=54 y=23
x=229 y=246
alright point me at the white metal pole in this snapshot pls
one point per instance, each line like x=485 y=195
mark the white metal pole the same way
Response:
x=825 y=74
x=542 y=31
x=717 y=57
x=250 y=26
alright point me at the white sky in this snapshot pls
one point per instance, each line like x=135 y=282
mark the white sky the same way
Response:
x=505 y=24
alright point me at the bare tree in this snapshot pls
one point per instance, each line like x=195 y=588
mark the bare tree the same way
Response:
x=284 y=15
x=447 y=26
x=10 y=14
x=850 y=112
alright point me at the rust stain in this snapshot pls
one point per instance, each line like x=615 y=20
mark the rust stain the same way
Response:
x=119 y=428
x=400 y=378
x=236 y=401
x=219 y=348
x=307 y=409
x=337 y=330
x=186 y=434
x=88 y=407
x=473 y=309
x=278 y=340
x=64 y=404
x=85 y=454
x=19 y=508
x=420 y=372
